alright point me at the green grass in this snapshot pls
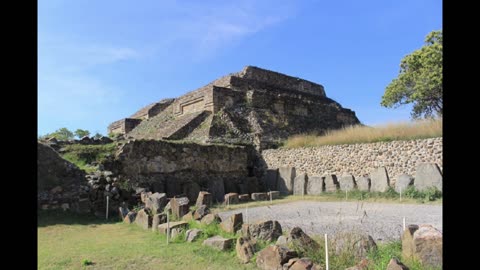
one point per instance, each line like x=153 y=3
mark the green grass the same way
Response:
x=364 y=134
x=82 y=155
x=67 y=241
x=71 y=241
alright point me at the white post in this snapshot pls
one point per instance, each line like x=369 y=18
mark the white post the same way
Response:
x=404 y=223
x=106 y=217
x=168 y=228
x=326 y=252
x=270 y=197
x=400 y=194
x=246 y=214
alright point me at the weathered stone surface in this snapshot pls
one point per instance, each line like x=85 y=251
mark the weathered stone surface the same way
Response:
x=304 y=264
x=122 y=212
x=273 y=257
x=266 y=230
x=289 y=264
x=301 y=240
x=347 y=182
x=407 y=241
x=158 y=219
x=188 y=216
x=179 y=206
x=156 y=202
x=300 y=184
x=144 y=196
x=162 y=228
x=395 y=264
x=231 y=198
x=201 y=212
x=84 y=205
x=358 y=159
x=315 y=185
x=56 y=189
x=273 y=195
x=245 y=249
x=428 y=175
x=192 y=234
x=286 y=176
x=210 y=218
x=130 y=217
x=219 y=242
x=143 y=219
x=252 y=95
x=282 y=240
x=363 y=183
x=270 y=179
x=204 y=198
x=427 y=246
x=244 y=198
x=259 y=196
x=379 y=180
x=403 y=182
x=233 y=223
x=353 y=243
x=331 y=183
x=217 y=189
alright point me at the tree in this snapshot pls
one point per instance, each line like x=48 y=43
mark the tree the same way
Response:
x=80 y=133
x=97 y=136
x=62 y=134
x=420 y=80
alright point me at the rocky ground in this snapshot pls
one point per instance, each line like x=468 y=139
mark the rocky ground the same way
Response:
x=383 y=221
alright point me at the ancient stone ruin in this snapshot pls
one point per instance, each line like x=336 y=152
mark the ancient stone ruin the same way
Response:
x=253 y=106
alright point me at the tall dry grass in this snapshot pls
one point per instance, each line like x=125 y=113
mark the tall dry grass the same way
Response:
x=420 y=129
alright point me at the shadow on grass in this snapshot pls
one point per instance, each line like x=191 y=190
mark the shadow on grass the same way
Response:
x=54 y=217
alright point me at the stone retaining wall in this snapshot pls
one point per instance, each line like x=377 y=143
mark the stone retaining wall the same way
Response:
x=397 y=157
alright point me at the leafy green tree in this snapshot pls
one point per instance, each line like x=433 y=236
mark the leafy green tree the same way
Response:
x=62 y=134
x=97 y=135
x=80 y=133
x=420 y=80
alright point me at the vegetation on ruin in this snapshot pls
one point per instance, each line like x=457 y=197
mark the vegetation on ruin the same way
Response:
x=73 y=241
x=420 y=80
x=64 y=134
x=85 y=155
x=421 y=129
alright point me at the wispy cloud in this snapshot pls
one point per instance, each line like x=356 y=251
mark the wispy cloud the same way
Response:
x=70 y=63
x=207 y=28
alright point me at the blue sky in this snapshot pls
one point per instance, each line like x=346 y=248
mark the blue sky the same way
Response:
x=100 y=61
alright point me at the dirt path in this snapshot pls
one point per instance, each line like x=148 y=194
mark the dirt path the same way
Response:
x=382 y=221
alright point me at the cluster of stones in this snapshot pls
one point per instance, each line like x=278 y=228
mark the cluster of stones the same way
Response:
x=57 y=144
x=88 y=197
x=398 y=157
x=71 y=197
x=284 y=251
x=287 y=181
x=235 y=198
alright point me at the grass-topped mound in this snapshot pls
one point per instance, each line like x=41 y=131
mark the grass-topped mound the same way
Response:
x=364 y=134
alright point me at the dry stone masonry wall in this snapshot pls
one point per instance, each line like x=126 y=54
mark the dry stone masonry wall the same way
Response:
x=398 y=157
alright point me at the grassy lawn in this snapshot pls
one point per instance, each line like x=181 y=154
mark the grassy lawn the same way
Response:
x=64 y=242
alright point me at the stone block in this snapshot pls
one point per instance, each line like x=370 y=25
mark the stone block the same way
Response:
x=379 y=180
x=286 y=176
x=428 y=175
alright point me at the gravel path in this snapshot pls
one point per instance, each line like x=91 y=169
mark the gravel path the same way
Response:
x=382 y=221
